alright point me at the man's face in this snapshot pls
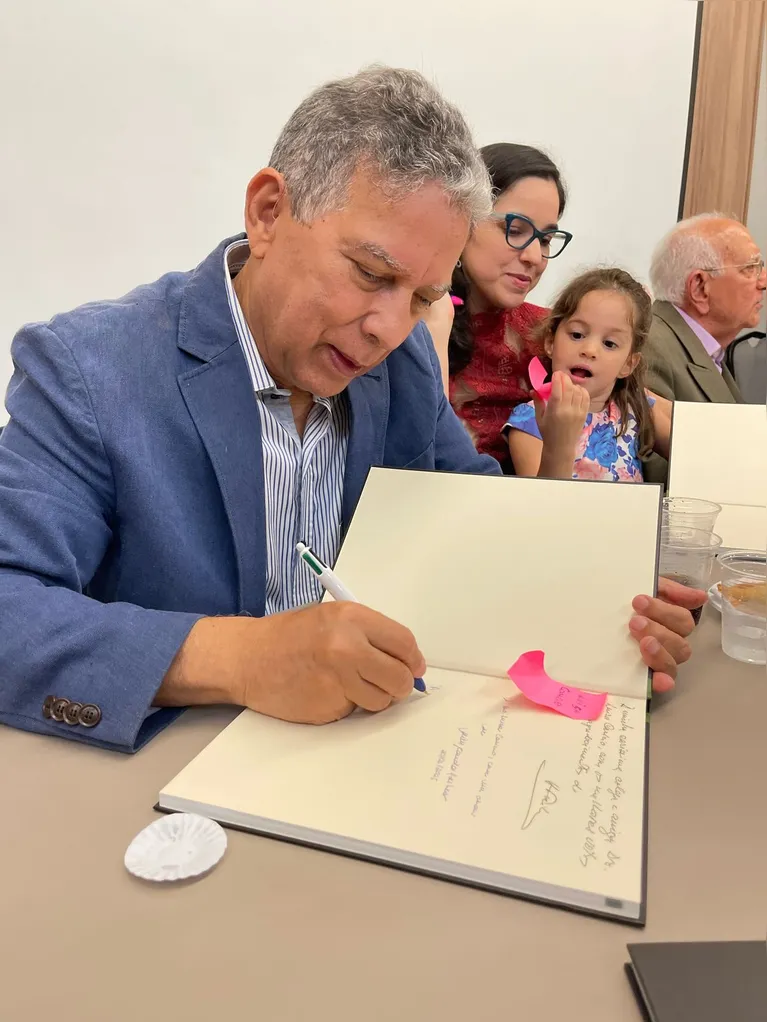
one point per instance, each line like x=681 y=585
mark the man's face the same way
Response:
x=736 y=295
x=331 y=299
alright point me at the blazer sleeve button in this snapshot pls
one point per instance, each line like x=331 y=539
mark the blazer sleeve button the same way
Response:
x=57 y=709
x=89 y=715
x=48 y=706
x=72 y=713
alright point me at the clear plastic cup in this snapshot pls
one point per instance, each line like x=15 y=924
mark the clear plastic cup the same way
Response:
x=739 y=562
x=696 y=514
x=744 y=613
x=687 y=555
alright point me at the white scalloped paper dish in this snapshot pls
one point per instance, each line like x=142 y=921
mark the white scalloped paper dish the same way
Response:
x=177 y=847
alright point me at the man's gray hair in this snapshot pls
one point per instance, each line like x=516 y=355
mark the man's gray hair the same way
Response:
x=681 y=252
x=390 y=120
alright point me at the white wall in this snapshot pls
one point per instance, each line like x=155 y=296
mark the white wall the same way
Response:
x=130 y=129
x=757 y=205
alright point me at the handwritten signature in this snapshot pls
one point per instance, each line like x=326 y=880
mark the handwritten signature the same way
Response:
x=542 y=798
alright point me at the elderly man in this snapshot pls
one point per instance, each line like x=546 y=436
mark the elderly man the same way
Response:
x=165 y=451
x=708 y=278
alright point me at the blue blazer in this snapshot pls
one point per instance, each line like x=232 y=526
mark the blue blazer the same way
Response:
x=131 y=492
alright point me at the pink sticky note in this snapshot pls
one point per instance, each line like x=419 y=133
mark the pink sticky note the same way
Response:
x=533 y=681
x=537 y=376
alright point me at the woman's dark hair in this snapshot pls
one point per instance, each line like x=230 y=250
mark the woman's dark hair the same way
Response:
x=507 y=163
x=629 y=393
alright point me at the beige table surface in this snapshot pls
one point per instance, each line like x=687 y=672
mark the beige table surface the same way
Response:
x=278 y=932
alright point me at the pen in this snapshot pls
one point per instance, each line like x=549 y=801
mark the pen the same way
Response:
x=332 y=584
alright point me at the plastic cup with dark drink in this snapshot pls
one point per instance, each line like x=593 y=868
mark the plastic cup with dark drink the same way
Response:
x=687 y=556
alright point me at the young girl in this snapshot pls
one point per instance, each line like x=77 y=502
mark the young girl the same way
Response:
x=599 y=421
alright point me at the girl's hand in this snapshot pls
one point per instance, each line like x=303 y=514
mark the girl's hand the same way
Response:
x=561 y=423
x=562 y=419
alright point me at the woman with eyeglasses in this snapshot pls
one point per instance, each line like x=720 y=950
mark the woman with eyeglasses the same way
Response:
x=490 y=344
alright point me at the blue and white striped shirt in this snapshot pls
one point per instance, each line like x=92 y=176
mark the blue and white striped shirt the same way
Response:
x=303 y=477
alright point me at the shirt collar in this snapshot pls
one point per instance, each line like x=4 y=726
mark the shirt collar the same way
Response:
x=710 y=343
x=235 y=257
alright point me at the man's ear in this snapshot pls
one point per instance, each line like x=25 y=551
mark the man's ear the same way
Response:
x=696 y=291
x=265 y=200
x=630 y=365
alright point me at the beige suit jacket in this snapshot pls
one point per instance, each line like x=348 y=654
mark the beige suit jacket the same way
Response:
x=679 y=368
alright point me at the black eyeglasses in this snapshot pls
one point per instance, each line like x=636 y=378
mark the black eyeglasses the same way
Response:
x=521 y=232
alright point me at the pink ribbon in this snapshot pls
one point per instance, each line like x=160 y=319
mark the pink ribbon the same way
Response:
x=537 y=378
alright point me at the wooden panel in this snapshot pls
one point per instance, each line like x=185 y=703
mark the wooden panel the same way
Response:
x=724 y=117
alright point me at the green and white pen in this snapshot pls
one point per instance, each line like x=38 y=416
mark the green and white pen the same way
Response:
x=332 y=584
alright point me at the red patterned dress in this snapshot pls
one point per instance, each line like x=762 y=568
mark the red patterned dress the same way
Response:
x=495 y=380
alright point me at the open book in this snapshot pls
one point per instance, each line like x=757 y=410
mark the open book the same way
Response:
x=471 y=781
x=719 y=453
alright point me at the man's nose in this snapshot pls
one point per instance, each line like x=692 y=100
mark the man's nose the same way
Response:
x=390 y=320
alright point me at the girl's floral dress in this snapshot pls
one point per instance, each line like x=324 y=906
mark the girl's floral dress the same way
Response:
x=600 y=453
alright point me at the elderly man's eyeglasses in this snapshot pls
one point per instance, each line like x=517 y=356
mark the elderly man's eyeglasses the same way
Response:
x=521 y=232
x=754 y=268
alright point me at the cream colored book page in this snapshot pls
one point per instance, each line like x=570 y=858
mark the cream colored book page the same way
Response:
x=483 y=569
x=452 y=775
x=742 y=526
x=719 y=453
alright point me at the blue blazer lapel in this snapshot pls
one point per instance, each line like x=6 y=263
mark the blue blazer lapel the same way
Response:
x=369 y=411
x=222 y=404
x=220 y=399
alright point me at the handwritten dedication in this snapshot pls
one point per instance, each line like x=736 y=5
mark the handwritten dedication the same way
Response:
x=471 y=780
x=565 y=795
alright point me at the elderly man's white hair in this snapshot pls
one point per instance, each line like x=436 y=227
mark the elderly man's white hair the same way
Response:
x=698 y=243
x=396 y=124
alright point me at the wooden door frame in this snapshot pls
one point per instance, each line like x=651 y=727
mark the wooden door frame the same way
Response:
x=729 y=35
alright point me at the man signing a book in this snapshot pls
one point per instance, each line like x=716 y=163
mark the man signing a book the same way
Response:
x=166 y=451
